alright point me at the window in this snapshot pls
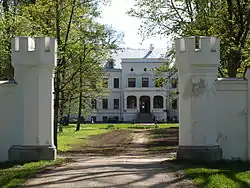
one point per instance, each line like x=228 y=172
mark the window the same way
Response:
x=105 y=82
x=93 y=103
x=131 y=69
x=131 y=82
x=145 y=69
x=131 y=102
x=104 y=103
x=116 y=103
x=174 y=104
x=144 y=82
x=105 y=119
x=116 y=82
x=174 y=82
x=158 y=102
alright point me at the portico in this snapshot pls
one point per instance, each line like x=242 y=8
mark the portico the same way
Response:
x=154 y=104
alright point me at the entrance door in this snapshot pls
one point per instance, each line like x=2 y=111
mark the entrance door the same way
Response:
x=144 y=104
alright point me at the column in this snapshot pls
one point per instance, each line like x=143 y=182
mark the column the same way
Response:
x=164 y=102
x=197 y=69
x=34 y=75
x=151 y=103
x=125 y=102
x=138 y=103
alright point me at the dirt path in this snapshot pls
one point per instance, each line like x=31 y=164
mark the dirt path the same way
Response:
x=130 y=166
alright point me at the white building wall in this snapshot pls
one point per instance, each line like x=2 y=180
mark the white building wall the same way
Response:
x=27 y=103
x=138 y=65
x=10 y=118
x=232 y=123
x=218 y=114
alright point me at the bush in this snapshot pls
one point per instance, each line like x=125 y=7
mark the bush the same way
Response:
x=110 y=126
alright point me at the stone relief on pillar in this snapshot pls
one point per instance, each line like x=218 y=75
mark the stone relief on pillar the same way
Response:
x=198 y=85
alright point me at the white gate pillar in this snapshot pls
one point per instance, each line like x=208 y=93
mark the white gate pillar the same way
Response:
x=34 y=61
x=197 y=69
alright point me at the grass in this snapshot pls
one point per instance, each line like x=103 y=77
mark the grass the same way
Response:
x=220 y=174
x=12 y=175
x=69 y=137
x=125 y=126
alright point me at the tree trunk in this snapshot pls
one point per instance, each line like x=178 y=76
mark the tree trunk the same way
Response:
x=56 y=107
x=234 y=63
x=61 y=103
x=78 y=125
x=80 y=99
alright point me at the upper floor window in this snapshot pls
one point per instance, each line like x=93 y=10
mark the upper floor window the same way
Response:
x=104 y=103
x=105 y=82
x=116 y=82
x=116 y=103
x=131 y=82
x=144 y=82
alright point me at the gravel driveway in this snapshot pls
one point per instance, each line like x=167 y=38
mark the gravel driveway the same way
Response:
x=125 y=170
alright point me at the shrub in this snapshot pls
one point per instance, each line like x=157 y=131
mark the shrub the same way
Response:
x=110 y=126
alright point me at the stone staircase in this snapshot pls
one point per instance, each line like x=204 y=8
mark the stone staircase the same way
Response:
x=144 y=118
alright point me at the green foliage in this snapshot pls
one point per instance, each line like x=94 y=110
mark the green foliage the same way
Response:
x=13 y=175
x=70 y=138
x=110 y=126
x=83 y=44
x=228 y=20
x=219 y=174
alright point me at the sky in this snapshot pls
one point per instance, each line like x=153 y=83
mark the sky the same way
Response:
x=115 y=15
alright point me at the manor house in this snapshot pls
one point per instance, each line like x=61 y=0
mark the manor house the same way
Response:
x=134 y=93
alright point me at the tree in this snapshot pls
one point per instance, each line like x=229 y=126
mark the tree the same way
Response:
x=60 y=19
x=94 y=48
x=227 y=19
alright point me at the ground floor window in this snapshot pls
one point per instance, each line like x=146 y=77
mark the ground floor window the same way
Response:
x=116 y=103
x=158 y=102
x=113 y=119
x=131 y=102
x=105 y=119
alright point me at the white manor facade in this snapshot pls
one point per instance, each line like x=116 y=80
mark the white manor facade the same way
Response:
x=134 y=96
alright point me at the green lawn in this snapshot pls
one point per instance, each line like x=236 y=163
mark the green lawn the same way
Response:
x=14 y=175
x=221 y=174
x=69 y=136
x=125 y=126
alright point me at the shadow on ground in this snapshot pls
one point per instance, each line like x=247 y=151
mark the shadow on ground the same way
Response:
x=114 y=173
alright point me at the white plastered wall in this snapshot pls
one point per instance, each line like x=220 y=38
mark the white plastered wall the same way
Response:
x=27 y=103
x=221 y=119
